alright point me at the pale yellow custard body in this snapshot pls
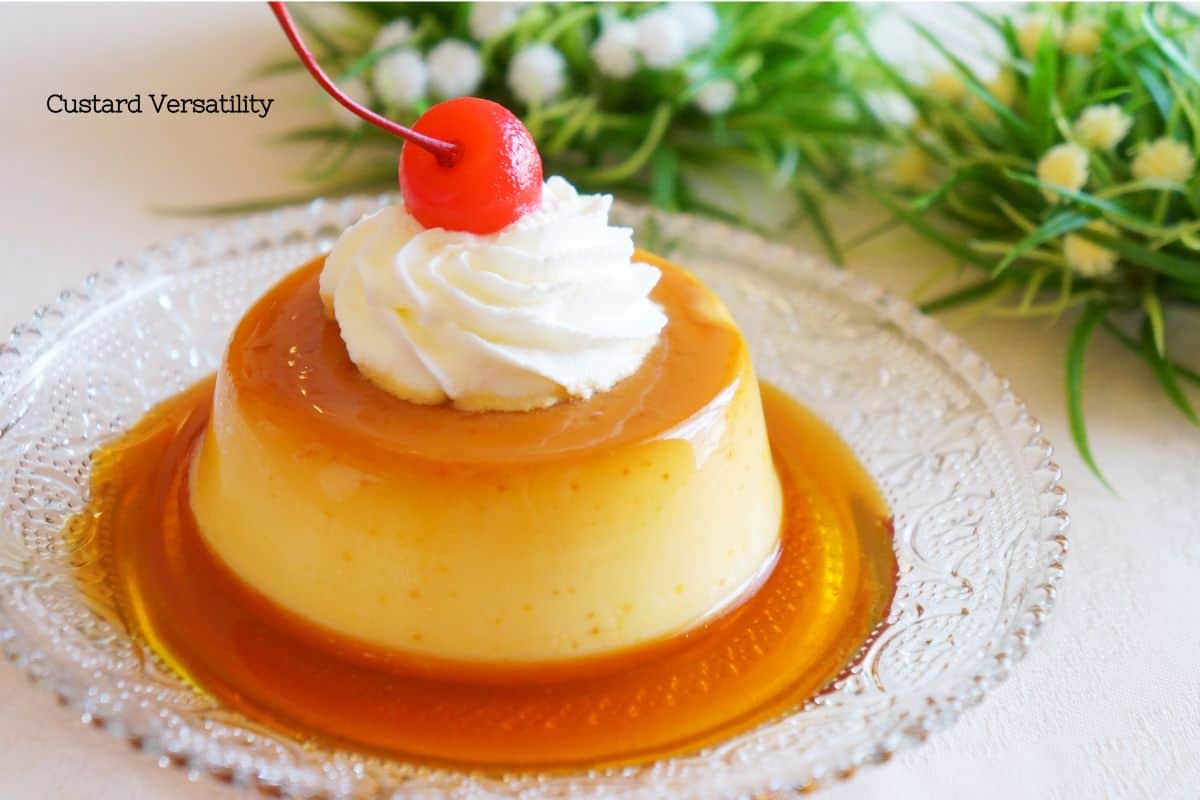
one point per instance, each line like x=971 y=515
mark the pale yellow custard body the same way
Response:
x=505 y=537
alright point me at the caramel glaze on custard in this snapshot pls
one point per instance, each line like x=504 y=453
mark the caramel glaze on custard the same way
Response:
x=827 y=593
x=288 y=360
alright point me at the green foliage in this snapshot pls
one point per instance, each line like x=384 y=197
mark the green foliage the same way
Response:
x=796 y=124
x=982 y=200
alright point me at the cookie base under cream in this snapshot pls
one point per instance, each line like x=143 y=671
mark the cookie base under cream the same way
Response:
x=576 y=530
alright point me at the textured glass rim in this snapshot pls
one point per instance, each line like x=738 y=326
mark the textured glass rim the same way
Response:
x=36 y=340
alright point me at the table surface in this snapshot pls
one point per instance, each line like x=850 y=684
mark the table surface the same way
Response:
x=1107 y=704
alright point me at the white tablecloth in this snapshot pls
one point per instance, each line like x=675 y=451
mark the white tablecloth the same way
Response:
x=1106 y=705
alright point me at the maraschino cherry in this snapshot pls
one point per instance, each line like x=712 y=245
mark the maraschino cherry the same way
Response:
x=467 y=164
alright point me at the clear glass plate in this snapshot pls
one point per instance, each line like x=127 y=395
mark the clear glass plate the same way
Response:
x=979 y=517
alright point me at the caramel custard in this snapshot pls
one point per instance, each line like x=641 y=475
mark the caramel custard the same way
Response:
x=828 y=592
x=584 y=528
x=788 y=554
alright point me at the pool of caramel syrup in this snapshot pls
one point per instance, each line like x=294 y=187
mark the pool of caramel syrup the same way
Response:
x=825 y=597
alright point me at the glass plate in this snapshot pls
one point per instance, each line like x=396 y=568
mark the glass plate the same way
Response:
x=979 y=517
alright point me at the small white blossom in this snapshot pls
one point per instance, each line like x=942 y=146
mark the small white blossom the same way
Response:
x=948 y=86
x=615 y=51
x=699 y=22
x=358 y=91
x=1102 y=127
x=1064 y=166
x=1087 y=258
x=537 y=74
x=910 y=169
x=455 y=69
x=717 y=96
x=492 y=19
x=1029 y=34
x=661 y=38
x=1164 y=159
x=394 y=34
x=401 y=78
x=1081 y=39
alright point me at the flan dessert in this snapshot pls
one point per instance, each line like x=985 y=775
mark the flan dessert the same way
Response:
x=531 y=446
x=486 y=487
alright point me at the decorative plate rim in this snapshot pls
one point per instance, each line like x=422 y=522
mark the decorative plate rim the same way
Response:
x=942 y=706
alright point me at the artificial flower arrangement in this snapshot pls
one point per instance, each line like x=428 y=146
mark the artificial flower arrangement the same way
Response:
x=668 y=103
x=1067 y=172
x=1068 y=175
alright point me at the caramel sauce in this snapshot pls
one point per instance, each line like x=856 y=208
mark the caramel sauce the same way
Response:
x=287 y=363
x=827 y=594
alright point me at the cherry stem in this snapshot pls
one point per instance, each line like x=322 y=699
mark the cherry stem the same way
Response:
x=445 y=152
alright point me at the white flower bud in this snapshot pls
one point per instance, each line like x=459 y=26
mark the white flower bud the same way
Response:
x=1064 y=166
x=1087 y=258
x=1029 y=34
x=716 y=97
x=492 y=19
x=358 y=91
x=661 y=39
x=400 y=78
x=1102 y=127
x=394 y=34
x=615 y=51
x=699 y=22
x=1164 y=159
x=455 y=69
x=537 y=74
x=1081 y=39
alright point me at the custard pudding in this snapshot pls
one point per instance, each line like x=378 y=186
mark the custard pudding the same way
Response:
x=620 y=516
x=540 y=535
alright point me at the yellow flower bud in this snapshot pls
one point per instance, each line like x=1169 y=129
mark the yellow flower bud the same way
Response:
x=1087 y=258
x=948 y=86
x=1029 y=34
x=1164 y=159
x=1003 y=87
x=1064 y=166
x=1102 y=127
x=910 y=168
x=1081 y=39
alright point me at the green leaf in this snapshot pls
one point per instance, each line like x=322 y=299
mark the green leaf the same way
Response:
x=287 y=65
x=1154 y=317
x=1061 y=223
x=638 y=159
x=914 y=221
x=1076 y=350
x=817 y=217
x=1110 y=209
x=1042 y=85
x=1184 y=269
x=1168 y=48
x=1017 y=126
x=1163 y=99
x=664 y=179
x=1164 y=372
x=1131 y=343
x=958 y=297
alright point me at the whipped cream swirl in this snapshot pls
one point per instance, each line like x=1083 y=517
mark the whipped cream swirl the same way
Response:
x=549 y=308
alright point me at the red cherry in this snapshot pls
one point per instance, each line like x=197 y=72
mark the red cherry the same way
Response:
x=467 y=165
x=493 y=178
